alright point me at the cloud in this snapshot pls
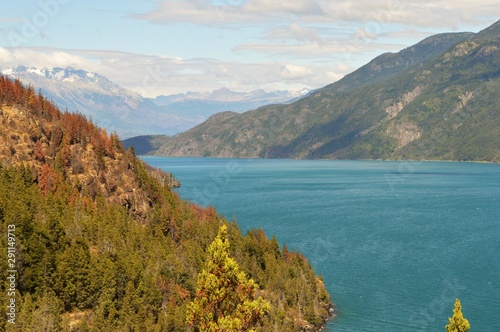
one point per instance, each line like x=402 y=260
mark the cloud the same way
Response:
x=200 y=12
x=308 y=43
x=295 y=31
x=424 y=14
x=284 y=7
x=300 y=29
x=291 y=71
x=151 y=75
x=42 y=57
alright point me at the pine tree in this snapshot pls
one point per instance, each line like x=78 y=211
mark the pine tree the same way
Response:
x=225 y=296
x=26 y=322
x=457 y=323
x=47 y=316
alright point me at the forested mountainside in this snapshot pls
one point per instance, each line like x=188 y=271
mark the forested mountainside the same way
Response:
x=435 y=100
x=101 y=242
x=145 y=144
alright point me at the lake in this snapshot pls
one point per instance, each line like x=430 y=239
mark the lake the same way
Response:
x=396 y=242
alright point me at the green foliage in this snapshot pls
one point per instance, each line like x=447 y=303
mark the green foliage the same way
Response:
x=225 y=297
x=111 y=247
x=121 y=275
x=47 y=313
x=457 y=323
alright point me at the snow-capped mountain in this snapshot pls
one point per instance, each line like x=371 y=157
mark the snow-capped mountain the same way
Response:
x=63 y=74
x=227 y=95
x=128 y=113
x=109 y=105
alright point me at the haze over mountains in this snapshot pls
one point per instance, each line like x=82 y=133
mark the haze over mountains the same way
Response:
x=128 y=113
x=435 y=100
x=223 y=100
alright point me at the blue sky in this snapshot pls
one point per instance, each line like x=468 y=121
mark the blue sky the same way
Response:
x=172 y=46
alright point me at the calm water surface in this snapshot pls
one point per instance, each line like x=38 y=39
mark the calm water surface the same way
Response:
x=396 y=242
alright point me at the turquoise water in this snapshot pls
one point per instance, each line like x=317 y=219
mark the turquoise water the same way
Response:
x=396 y=242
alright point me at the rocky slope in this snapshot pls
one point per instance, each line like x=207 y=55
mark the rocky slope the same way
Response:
x=93 y=162
x=434 y=100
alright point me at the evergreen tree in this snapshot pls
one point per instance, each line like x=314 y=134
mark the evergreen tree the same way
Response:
x=457 y=323
x=47 y=315
x=26 y=322
x=225 y=296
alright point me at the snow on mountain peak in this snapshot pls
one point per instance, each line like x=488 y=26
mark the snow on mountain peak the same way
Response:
x=37 y=71
x=69 y=74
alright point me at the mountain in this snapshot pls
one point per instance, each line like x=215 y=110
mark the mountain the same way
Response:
x=145 y=144
x=224 y=100
x=109 y=105
x=129 y=114
x=201 y=106
x=100 y=241
x=434 y=100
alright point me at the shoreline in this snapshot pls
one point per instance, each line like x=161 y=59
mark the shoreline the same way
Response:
x=300 y=159
x=331 y=314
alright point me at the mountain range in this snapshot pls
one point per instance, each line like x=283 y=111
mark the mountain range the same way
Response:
x=435 y=100
x=130 y=114
x=223 y=100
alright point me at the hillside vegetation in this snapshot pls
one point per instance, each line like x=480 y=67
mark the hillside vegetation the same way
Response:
x=102 y=242
x=435 y=100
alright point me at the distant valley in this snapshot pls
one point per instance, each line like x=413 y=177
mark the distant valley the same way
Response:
x=435 y=100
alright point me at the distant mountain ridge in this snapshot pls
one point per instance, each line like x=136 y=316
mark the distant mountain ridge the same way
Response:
x=128 y=113
x=109 y=105
x=227 y=95
x=204 y=105
x=434 y=100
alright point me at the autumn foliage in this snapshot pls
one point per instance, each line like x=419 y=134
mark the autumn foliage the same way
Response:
x=457 y=323
x=66 y=128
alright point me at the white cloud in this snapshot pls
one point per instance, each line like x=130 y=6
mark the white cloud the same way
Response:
x=295 y=31
x=283 y=7
x=200 y=12
x=333 y=50
x=291 y=71
x=426 y=13
x=325 y=29
x=43 y=57
x=152 y=75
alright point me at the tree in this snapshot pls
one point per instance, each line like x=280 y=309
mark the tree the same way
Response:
x=47 y=315
x=457 y=323
x=225 y=296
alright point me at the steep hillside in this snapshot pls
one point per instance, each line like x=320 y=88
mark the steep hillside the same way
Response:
x=102 y=243
x=389 y=65
x=434 y=100
x=65 y=147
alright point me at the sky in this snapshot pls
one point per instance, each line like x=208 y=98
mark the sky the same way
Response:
x=161 y=47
